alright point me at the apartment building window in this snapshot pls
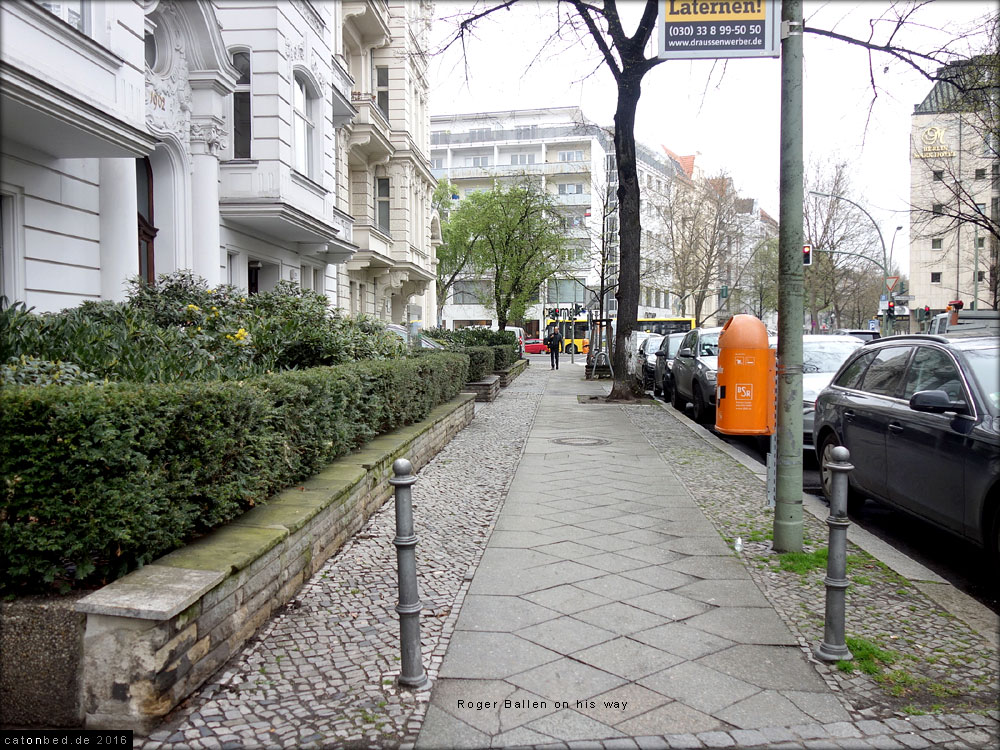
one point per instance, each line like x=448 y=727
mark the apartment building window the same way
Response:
x=980 y=242
x=437 y=163
x=566 y=290
x=440 y=137
x=938 y=176
x=480 y=134
x=477 y=161
x=73 y=12
x=382 y=89
x=981 y=275
x=147 y=229
x=936 y=243
x=382 y=203
x=981 y=208
x=231 y=273
x=470 y=292
x=935 y=277
x=522 y=158
x=981 y=174
x=570 y=188
x=241 y=107
x=937 y=209
x=571 y=156
x=304 y=134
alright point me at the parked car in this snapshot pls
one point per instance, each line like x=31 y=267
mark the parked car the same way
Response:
x=518 y=332
x=425 y=342
x=865 y=334
x=822 y=356
x=694 y=372
x=662 y=383
x=645 y=368
x=920 y=415
x=632 y=345
x=535 y=346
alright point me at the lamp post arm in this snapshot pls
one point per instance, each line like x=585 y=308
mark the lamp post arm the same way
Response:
x=856 y=255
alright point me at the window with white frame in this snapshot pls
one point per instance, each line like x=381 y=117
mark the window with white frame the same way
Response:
x=382 y=89
x=231 y=270
x=241 y=107
x=8 y=251
x=73 y=12
x=570 y=188
x=935 y=277
x=477 y=161
x=936 y=243
x=304 y=131
x=522 y=158
x=382 y=203
x=437 y=163
x=470 y=292
x=571 y=155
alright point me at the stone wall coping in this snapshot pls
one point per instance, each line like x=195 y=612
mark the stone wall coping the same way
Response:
x=485 y=381
x=177 y=580
x=153 y=592
x=519 y=365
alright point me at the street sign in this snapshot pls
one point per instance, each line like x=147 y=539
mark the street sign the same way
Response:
x=883 y=298
x=690 y=29
x=872 y=325
x=903 y=297
x=890 y=282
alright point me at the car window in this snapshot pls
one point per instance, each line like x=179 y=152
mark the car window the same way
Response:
x=689 y=340
x=886 y=370
x=933 y=370
x=851 y=375
x=985 y=364
x=709 y=345
x=826 y=356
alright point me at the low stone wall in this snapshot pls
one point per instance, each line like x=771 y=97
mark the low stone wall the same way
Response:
x=156 y=635
x=507 y=376
x=486 y=389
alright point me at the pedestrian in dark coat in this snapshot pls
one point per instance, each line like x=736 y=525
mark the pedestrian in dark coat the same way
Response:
x=554 y=342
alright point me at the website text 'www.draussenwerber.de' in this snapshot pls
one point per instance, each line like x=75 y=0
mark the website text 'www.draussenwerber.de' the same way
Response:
x=689 y=43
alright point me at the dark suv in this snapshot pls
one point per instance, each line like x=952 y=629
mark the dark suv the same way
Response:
x=921 y=417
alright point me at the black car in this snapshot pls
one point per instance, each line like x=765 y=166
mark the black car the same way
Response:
x=662 y=385
x=920 y=415
x=645 y=368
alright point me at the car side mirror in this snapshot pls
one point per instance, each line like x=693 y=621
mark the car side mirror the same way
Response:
x=685 y=352
x=936 y=402
x=660 y=353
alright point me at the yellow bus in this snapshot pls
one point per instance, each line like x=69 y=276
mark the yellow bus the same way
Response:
x=575 y=333
x=664 y=326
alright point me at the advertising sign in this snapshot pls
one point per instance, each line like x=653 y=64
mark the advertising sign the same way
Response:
x=692 y=29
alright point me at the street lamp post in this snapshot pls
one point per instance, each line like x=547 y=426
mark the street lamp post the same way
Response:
x=885 y=260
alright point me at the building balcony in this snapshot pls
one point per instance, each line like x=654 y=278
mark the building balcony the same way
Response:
x=370 y=19
x=370 y=134
x=42 y=102
x=574 y=199
x=547 y=169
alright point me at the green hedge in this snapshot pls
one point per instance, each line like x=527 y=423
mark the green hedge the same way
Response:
x=504 y=355
x=472 y=336
x=97 y=480
x=481 y=362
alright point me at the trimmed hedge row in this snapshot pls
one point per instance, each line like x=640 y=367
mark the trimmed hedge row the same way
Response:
x=481 y=362
x=504 y=356
x=95 y=481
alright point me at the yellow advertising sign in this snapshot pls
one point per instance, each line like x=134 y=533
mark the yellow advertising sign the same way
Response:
x=705 y=10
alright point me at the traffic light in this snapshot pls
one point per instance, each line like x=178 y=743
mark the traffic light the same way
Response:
x=927 y=312
x=807 y=255
x=891 y=309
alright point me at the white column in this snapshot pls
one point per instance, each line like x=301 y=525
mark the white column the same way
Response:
x=119 y=226
x=207 y=139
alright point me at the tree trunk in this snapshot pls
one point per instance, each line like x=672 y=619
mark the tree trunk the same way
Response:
x=629 y=89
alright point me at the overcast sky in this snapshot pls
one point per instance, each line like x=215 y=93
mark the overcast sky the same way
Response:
x=728 y=115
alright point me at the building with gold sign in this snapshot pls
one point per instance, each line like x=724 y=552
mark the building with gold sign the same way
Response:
x=954 y=189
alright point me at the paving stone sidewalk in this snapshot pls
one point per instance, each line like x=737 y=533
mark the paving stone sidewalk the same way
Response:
x=585 y=591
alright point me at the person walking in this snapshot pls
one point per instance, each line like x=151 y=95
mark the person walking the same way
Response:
x=554 y=342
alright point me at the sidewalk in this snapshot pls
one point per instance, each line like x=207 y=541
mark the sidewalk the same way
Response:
x=575 y=553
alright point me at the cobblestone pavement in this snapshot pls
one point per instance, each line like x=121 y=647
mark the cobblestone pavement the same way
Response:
x=922 y=658
x=320 y=674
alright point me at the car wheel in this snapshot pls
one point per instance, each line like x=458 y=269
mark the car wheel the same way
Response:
x=676 y=398
x=702 y=411
x=854 y=500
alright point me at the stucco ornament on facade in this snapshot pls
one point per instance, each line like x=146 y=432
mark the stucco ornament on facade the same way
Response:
x=168 y=97
x=212 y=134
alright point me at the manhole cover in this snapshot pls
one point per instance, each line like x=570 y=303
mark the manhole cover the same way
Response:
x=581 y=442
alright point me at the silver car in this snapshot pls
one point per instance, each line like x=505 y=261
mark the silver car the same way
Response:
x=694 y=372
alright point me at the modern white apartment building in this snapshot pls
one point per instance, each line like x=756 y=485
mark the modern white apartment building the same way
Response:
x=574 y=160
x=954 y=174
x=249 y=142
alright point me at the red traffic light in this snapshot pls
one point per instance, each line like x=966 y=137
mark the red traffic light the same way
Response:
x=807 y=257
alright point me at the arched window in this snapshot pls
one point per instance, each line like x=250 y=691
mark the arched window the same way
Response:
x=242 y=137
x=147 y=230
x=304 y=130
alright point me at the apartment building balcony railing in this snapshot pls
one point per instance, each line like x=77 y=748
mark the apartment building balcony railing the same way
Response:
x=546 y=169
x=574 y=199
x=566 y=133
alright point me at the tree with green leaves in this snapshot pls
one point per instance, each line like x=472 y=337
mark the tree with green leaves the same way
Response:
x=453 y=255
x=510 y=235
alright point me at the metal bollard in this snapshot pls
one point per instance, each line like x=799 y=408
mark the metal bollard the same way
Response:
x=412 y=672
x=834 y=645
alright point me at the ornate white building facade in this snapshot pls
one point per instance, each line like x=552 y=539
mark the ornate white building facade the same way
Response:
x=248 y=143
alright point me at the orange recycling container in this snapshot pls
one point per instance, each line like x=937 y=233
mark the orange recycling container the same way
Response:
x=746 y=380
